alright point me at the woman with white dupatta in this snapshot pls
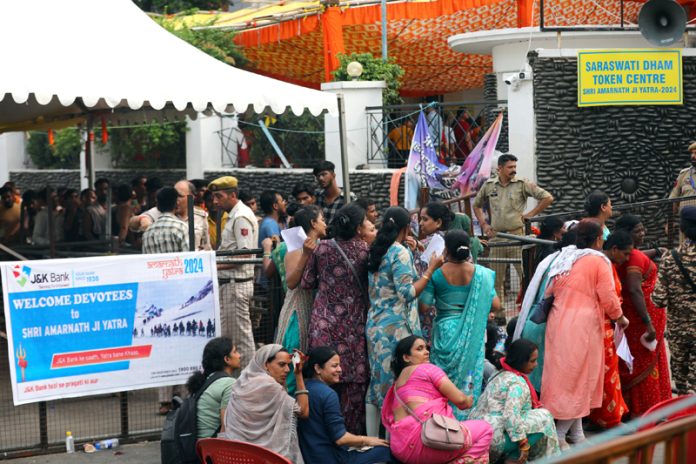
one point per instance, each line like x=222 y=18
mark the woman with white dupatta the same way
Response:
x=260 y=410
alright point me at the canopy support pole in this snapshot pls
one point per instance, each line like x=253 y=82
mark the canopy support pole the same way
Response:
x=344 y=151
x=385 y=54
x=89 y=152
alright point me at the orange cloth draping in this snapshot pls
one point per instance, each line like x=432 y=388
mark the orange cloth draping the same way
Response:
x=332 y=24
x=358 y=16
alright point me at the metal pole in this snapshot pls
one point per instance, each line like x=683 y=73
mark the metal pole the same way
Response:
x=384 y=31
x=541 y=16
x=89 y=161
x=191 y=225
x=218 y=227
x=51 y=223
x=344 y=152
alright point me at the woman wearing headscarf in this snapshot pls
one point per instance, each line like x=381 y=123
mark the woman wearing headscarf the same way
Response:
x=649 y=381
x=582 y=284
x=260 y=410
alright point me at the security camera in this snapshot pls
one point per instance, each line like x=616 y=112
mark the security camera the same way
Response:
x=512 y=79
x=525 y=75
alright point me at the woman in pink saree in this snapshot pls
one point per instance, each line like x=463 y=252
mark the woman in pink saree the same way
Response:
x=426 y=390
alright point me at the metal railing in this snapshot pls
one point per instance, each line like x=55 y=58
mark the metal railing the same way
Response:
x=455 y=128
x=131 y=416
x=637 y=440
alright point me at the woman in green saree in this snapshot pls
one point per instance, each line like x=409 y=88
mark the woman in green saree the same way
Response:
x=463 y=294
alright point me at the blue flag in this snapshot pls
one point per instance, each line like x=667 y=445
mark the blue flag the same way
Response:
x=423 y=164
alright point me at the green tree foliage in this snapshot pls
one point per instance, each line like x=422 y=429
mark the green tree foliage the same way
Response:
x=149 y=146
x=217 y=43
x=374 y=69
x=175 y=6
x=63 y=154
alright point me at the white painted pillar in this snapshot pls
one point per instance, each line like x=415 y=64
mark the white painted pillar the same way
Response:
x=204 y=148
x=12 y=154
x=357 y=95
x=522 y=128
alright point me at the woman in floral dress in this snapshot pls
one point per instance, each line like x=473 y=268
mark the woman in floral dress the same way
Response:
x=521 y=428
x=393 y=315
x=337 y=269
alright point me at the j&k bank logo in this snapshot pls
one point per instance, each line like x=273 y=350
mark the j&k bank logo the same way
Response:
x=24 y=276
x=21 y=274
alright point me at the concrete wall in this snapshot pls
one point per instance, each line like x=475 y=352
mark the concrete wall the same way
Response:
x=633 y=153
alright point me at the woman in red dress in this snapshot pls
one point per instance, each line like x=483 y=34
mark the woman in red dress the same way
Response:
x=649 y=382
x=618 y=248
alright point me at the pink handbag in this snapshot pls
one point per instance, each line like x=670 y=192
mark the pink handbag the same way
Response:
x=439 y=432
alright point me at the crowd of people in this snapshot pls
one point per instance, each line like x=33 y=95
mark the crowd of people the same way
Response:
x=395 y=335
x=401 y=326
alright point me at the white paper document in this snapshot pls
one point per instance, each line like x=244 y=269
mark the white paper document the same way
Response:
x=435 y=247
x=622 y=349
x=294 y=238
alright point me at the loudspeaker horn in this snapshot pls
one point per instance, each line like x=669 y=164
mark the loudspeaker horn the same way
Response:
x=662 y=22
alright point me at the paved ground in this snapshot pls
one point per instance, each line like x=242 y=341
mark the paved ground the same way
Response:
x=139 y=453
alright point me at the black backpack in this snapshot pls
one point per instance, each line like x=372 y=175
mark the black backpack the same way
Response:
x=180 y=431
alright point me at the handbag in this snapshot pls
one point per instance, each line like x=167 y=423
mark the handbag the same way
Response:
x=439 y=432
x=539 y=312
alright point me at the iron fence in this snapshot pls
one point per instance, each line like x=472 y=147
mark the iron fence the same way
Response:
x=454 y=127
x=131 y=416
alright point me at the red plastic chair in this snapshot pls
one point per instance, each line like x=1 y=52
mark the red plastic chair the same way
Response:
x=219 y=451
x=690 y=437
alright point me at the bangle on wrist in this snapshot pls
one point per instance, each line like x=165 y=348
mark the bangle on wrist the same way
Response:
x=301 y=392
x=267 y=255
x=426 y=276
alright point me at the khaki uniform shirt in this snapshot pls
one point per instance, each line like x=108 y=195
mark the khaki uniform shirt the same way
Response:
x=241 y=232
x=684 y=187
x=507 y=204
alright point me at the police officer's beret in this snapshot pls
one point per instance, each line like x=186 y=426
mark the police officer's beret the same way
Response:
x=223 y=183
x=692 y=146
x=688 y=213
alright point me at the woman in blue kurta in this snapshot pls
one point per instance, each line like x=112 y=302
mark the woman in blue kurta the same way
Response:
x=463 y=294
x=393 y=314
x=323 y=435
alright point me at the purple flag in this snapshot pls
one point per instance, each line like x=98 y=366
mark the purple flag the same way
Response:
x=423 y=165
x=477 y=167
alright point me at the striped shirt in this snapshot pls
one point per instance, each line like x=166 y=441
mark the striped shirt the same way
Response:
x=168 y=234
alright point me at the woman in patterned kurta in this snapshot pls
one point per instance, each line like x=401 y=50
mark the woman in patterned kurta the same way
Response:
x=394 y=290
x=510 y=405
x=340 y=307
x=649 y=382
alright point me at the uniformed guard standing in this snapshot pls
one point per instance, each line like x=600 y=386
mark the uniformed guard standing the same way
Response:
x=236 y=280
x=676 y=292
x=506 y=197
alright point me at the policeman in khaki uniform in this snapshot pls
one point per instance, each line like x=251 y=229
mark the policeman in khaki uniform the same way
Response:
x=506 y=197
x=236 y=280
x=686 y=181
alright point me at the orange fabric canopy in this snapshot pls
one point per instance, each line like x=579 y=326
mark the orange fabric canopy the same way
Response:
x=296 y=50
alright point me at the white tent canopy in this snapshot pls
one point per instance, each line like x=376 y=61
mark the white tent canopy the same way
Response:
x=63 y=59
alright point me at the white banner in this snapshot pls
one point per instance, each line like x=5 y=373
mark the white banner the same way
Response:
x=87 y=326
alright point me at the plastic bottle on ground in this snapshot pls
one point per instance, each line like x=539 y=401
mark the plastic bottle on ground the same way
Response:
x=69 y=442
x=106 y=444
